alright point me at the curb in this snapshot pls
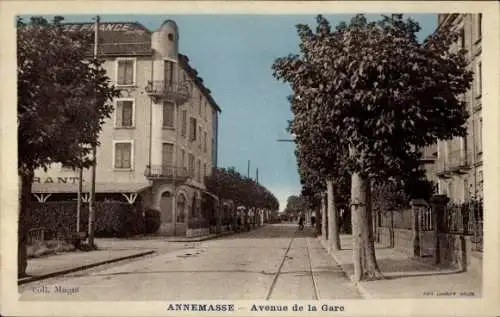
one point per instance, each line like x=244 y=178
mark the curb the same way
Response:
x=80 y=268
x=205 y=238
x=361 y=289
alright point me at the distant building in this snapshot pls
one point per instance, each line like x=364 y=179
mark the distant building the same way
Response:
x=458 y=163
x=161 y=139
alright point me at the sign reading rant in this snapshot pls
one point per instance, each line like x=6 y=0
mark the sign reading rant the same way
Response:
x=115 y=27
x=58 y=180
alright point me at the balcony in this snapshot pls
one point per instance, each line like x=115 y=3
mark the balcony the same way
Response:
x=166 y=172
x=459 y=161
x=161 y=90
x=443 y=168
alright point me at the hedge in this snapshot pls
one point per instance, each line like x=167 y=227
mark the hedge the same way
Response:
x=113 y=218
x=152 y=220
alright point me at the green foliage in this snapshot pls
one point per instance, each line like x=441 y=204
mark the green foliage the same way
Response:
x=295 y=204
x=373 y=87
x=63 y=95
x=112 y=218
x=152 y=220
x=231 y=185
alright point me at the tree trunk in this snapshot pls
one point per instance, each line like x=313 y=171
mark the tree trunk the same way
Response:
x=365 y=263
x=358 y=209
x=371 y=270
x=333 y=230
x=318 y=220
x=26 y=179
x=323 y=217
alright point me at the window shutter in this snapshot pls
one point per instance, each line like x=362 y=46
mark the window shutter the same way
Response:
x=127 y=113
x=129 y=72
x=168 y=115
x=127 y=153
x=118 y=155
x=121 y=72
x=119 y=114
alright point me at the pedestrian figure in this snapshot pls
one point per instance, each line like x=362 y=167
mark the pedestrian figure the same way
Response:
x=301 y=221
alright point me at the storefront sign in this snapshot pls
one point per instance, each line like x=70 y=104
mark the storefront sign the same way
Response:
x=57 y=180
x=114 y=27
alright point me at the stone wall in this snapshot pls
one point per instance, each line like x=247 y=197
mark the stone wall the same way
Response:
x=403 y=240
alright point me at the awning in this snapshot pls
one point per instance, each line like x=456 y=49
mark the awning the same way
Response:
x=55 y=188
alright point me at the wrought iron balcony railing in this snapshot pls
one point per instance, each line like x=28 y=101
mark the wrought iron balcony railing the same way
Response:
x=178 y=92
x=166 y=172
x=459 y=161
x=442 y=168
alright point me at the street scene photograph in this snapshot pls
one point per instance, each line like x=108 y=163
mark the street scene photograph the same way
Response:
x=316 y=157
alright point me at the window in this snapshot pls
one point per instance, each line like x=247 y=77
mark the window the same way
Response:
x=168 y=154
x=198 y=170
x=183 y=158
x=124 y=113
x=123 y=154
x=169 y=73
x=479 y=78
x=205 y=170
x=168 y=115
x=191 y=164
x=192 y=129
x=205 y=142
x=126 y=72
x=480 y=137
x=199 y=133
x=479 y=183
x=184 y=123
x=200 y=104
x=466 y=190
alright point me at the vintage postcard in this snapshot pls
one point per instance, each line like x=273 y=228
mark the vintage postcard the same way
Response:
x=265 y=158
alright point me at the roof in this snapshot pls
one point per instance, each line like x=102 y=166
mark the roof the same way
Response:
x=184 y=62
x=134 y=39
x=55 y=188
x=118 y=38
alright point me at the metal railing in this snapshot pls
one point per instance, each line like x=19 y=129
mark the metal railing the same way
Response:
x=425 y=222
x=166 y=171
x=459 y=159
x=174 y=91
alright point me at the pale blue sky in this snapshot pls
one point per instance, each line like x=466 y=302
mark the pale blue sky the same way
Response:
x=233 y=54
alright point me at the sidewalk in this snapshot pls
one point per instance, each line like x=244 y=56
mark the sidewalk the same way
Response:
x=64 y=263
x=110 y=250
x=406 y=277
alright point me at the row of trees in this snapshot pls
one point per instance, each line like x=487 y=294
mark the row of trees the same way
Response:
x=64 y=97
x=243 y=191
x=367 y=96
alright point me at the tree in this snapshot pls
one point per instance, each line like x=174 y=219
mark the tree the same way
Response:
x=63 y=99
x=231 y=185
x=388 y=95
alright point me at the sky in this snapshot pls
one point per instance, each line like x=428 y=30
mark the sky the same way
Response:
x=233 y=54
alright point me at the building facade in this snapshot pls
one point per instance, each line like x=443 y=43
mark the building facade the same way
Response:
x=162 y=138
x=458 y=165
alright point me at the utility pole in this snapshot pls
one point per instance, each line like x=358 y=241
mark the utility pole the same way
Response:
x=79 y=198
x=94 y=154
x=248 y=169
x=257 y=175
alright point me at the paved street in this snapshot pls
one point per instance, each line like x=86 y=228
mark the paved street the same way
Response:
x=273 y=262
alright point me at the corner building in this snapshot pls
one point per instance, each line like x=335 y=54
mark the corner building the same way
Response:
x=161 y=140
